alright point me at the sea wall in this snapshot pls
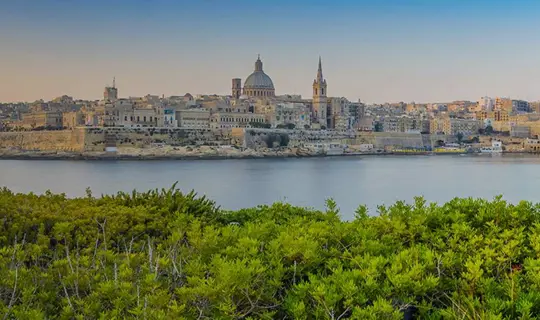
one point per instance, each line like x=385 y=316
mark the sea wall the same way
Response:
x=61 y=140
x=97 y=138
x=256 y=138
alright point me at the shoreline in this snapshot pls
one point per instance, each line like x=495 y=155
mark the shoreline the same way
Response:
x=44 y=155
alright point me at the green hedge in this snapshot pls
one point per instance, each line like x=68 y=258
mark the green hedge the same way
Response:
x=168 y=255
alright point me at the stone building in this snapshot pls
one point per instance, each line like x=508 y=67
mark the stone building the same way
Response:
x=452 y=126
x=297 y=114
x=227 y=120
x=236 y=88
x=45 y=119
x=73 y=119
x=111 y=93
x=193 y=118
x=338 y=113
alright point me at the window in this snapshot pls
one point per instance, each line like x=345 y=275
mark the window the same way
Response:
x=125 y=118
x=144 y=118
x=150 y=119
x=138 y=119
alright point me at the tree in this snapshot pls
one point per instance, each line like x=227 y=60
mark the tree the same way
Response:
x=284 y=140
x=378 y=127
x=289 y=126
x=459 y=137
x=262 y=125
x=488 y=130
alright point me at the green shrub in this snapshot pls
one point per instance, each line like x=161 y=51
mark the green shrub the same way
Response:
x=163 y=254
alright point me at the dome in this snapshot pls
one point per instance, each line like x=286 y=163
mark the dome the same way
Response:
x=259 y=80
x=259 y=84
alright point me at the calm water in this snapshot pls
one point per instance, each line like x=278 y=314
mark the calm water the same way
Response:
x=237 y=184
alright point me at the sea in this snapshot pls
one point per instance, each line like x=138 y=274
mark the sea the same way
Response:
x=308 y=182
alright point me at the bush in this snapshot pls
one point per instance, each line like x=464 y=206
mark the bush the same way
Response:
x=168 y=255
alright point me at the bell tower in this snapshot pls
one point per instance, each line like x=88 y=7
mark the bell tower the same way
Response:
x=320 y=100
x=236 y=88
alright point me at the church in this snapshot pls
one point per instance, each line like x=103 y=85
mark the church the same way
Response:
x=257 y=85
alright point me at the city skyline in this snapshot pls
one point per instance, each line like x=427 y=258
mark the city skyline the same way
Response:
x=374 y=51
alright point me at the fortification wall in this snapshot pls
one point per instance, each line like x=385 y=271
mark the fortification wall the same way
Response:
x=146 y=137
x=61 y=140
x=253 y=138
x=95 y=139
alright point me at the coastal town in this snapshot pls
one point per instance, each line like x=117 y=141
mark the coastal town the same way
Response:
x=256 y=121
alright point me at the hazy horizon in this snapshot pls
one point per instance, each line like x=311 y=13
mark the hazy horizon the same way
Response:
x=376 y=51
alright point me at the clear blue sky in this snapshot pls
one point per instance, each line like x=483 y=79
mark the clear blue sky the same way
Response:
x=417 y=50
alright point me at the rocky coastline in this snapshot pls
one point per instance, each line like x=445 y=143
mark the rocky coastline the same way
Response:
x=161 y=153
x=186 y=153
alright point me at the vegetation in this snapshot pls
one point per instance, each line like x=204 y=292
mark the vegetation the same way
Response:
x=289 y=126
x=378 y=127
x=282 y=139
x=260 y=125
x=168 y=255
x=459 y=137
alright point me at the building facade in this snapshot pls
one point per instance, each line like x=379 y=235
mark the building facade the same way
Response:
x=45 y=119
x=193 y=118
x=73 y=119
x=111 y=93
x=227 y=120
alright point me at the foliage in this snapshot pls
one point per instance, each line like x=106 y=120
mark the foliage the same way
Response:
x=262 y=125
x=459 y=137
x=281 y=138
x=378 y=127
x=488 y=130
x=289 y=126
x=168 y=255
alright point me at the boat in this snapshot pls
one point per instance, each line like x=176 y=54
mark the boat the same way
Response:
x=496 y=147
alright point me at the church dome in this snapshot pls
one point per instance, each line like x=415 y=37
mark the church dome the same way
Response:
x=259 y=84
x=259 y=80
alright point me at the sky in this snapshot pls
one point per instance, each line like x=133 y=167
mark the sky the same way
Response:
x=377 y=51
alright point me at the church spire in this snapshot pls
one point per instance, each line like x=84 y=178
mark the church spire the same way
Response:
x=114 y=82
x=319 y=71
